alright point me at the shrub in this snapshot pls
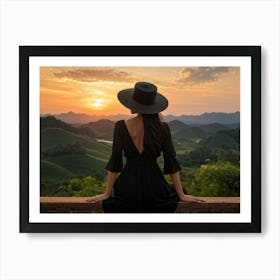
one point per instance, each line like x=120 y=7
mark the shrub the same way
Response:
x=88 y=186
x=231 y=156
x=216 y=179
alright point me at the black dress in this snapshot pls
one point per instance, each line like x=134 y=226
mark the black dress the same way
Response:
x=141 y=186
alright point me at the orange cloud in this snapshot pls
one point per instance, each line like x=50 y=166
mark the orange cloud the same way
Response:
x=90 y=74
x=201 y=75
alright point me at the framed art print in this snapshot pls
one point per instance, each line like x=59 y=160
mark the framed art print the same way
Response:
x=69 y=113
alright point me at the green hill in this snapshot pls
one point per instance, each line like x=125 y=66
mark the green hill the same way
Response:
x=233 y=125
x=52 y=175
x=53 y=172
x=102 y=128
x=82 y=165
x=190 y=133
x=66 y=155
x=183 y=132
x=51 y=137
x=176 y=125
x=211 y=129
x=223 y=140
x=187 y=132
x=52 y=122
x=57 y=137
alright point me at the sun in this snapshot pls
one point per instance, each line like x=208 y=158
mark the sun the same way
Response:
x=98 y=103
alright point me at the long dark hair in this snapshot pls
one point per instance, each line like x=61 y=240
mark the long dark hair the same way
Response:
x=153 y=126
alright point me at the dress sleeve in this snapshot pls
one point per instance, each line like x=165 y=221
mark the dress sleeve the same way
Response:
x=171 y=164
x=115 y=163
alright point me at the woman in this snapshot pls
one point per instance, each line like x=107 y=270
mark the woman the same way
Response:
x=141 y=186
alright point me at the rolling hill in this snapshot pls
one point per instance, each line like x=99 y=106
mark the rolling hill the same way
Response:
x=190 y=133
x=102 y=128
x=52 y=122
x=59 y=166
x=224 y=139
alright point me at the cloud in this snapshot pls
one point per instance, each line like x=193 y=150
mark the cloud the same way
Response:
x=95 y=75
x=201 y=75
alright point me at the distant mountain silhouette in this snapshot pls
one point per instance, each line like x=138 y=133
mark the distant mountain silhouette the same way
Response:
x=203 y=119
x=52 y=122
x=206 y=118
x=76 y=118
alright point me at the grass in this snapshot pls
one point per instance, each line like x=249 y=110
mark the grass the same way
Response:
x=52 y=137
x=54 y=172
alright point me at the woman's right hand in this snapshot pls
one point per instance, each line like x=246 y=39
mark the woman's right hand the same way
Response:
x=191 y=198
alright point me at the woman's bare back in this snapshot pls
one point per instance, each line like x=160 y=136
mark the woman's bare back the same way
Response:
x=135 y=128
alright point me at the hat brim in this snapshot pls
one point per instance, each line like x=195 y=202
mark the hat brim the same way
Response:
x=125 y=97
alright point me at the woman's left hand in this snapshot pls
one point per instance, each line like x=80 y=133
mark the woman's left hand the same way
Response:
x=98 y=198
x=191 y=198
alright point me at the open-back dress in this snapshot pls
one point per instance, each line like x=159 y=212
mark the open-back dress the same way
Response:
x=141 y=186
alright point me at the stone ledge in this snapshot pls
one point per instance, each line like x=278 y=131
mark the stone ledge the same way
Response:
x=79 y=204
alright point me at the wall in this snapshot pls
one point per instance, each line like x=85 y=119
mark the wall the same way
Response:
x=139 y=256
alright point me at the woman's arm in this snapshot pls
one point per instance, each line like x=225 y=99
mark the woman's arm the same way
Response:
x=111 y=178
x=175 y=177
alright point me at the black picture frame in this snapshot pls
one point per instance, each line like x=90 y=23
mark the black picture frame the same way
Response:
x=254 y=52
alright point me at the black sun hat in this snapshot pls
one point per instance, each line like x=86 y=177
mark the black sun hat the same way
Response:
x=143 y=98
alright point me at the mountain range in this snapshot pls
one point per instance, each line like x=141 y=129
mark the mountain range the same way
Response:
x=203 y=119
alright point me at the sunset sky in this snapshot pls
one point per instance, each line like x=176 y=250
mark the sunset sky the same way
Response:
x=93 y=90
